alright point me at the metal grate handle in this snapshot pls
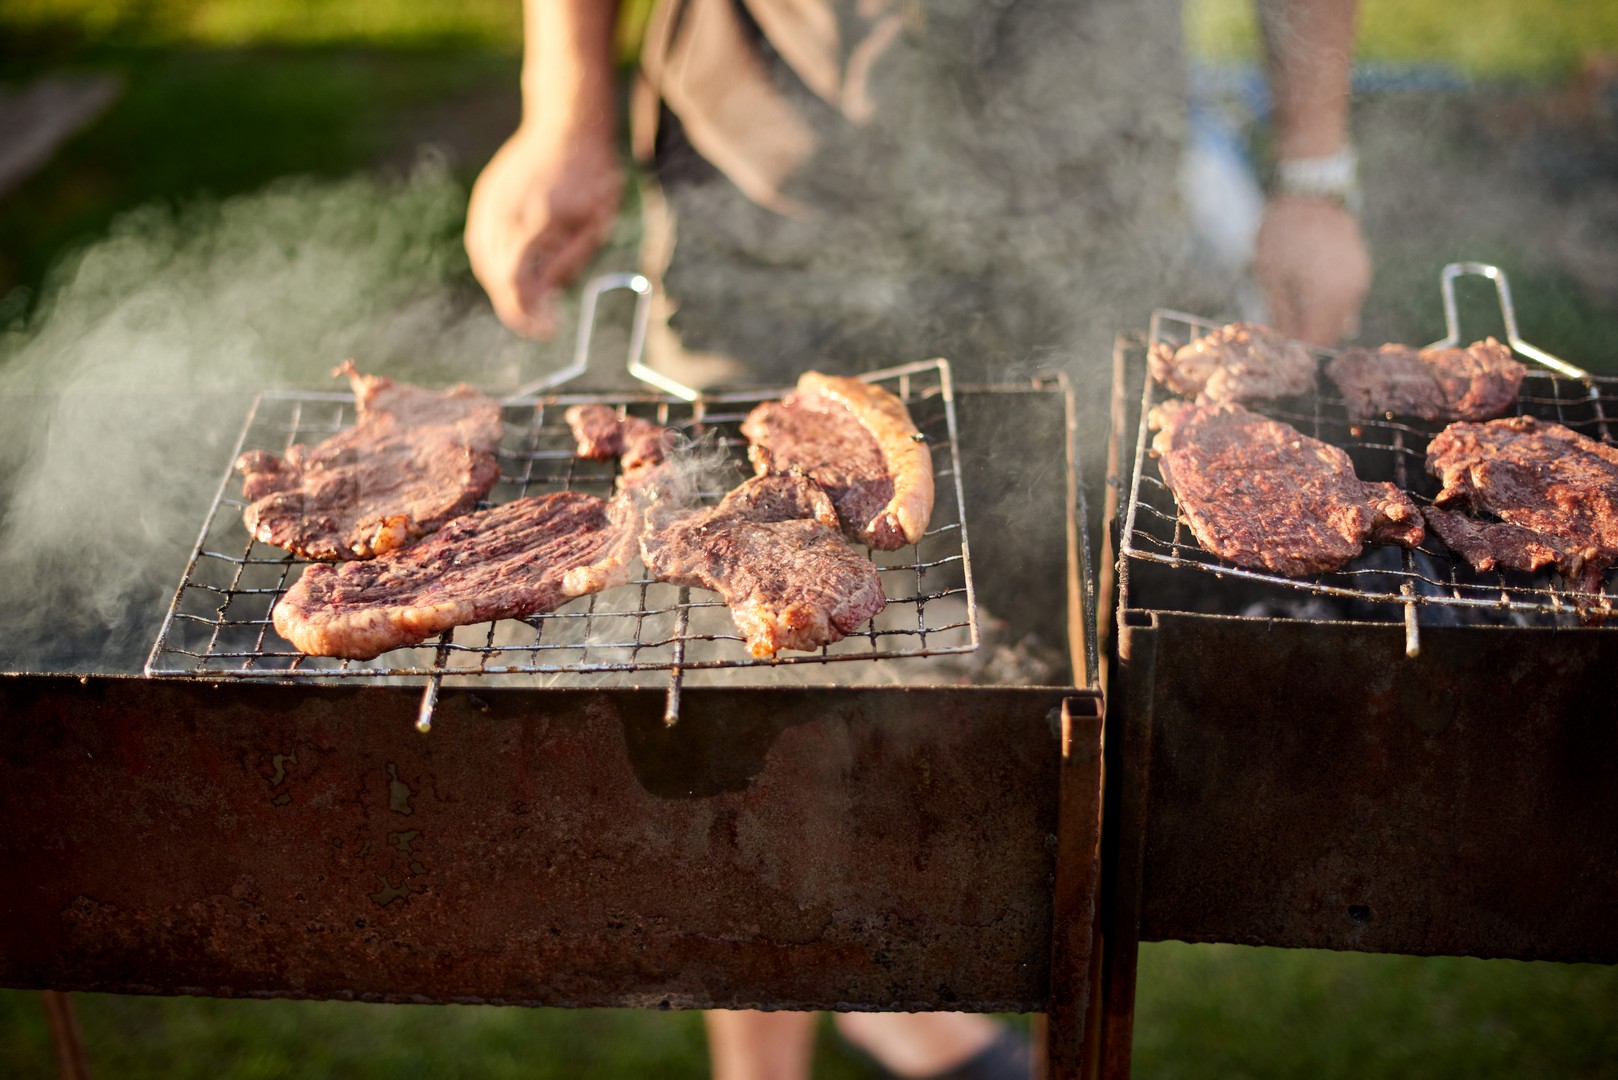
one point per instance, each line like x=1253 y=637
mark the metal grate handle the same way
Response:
x=593 y=292
x=1508 y=312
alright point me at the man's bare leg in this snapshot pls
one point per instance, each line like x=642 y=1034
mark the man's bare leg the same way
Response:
x=750 y=1045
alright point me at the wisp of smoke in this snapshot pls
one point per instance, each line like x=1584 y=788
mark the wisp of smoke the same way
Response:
x=122 y=395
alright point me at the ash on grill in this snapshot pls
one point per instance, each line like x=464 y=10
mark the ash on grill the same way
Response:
x=1430 y=584
x=218 y=625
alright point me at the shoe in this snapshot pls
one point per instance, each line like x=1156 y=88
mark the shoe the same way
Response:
x=1009 y=1057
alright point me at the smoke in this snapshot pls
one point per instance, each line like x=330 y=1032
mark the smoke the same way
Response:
x=122 y=395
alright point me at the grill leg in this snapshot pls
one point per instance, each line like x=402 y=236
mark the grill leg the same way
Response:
x=1072 y=1022
x=64 y=1024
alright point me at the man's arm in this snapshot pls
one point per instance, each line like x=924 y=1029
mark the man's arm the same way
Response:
x=1310 y=254
x=548 y=198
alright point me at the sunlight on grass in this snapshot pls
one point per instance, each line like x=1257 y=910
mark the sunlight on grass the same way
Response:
x=495 y=24
x=243 y=22
x=1484 y=38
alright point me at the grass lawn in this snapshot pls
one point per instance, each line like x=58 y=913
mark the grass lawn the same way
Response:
x=198 y=123
x=1203 y=1011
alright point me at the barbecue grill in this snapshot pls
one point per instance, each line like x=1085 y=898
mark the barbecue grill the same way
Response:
x=901 y=825
x=1410 y=585
x=1400 y=756
x=218 y=625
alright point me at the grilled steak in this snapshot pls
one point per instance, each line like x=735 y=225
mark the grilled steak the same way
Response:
x=521 y=558
x=415 y=459
x=1478 y=382
x=601 y=433
x=1239 y=362
x=771 y=548
x=856 y=441
x=1488 y=544
x=1539 y=476
x=1264 y=495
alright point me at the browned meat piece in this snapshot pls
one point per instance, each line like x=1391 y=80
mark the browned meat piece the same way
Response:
x=1541 y=476
x=415 y=459
x=1239 y=362
x=1487 y=544
x=772 y=550
x=601 y=433
x=856 y=441
x=1264 y=495
x=522 y=558
x=1478 y=382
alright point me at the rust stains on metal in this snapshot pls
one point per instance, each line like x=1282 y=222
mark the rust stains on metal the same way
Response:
x=1312 y=786
x=802 y=848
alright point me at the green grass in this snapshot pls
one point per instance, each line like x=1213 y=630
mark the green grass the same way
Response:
x=489 y=24
x=235 y=23
x=1203 y=1011
x=195 y=123
x=1487 y=39
x=133 y=1038
x=1230 y=1011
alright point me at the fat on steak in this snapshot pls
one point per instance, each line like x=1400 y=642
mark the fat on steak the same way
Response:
x=1478 y=382
x=1539 y=476
x=521 y=558
x=1241 y=361
x=415 y=459
x=601 y=433
x=1264 y=495
x=772 y=550
x=858 y=442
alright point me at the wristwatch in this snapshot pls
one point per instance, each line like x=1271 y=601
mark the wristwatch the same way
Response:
x=1334 y=176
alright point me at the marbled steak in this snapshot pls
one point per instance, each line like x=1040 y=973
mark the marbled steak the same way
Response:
x=415 y=459
x=522 y=558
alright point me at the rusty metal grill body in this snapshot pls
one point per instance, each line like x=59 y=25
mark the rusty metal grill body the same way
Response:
x=926 y=842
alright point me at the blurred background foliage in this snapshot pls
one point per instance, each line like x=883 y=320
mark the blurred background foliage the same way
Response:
x=1484 y=38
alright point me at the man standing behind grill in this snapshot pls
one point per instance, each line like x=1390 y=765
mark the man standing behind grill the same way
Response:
x=857 y=183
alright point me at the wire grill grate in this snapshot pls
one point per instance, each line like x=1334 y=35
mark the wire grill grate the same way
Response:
x=219 y=623
x=1383 y=582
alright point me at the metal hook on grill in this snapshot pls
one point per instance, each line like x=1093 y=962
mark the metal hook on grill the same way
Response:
x=1502 y=288
x=593 y=291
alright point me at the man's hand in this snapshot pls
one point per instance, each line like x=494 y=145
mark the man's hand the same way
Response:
x=1311 y=261
x=539 y=212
